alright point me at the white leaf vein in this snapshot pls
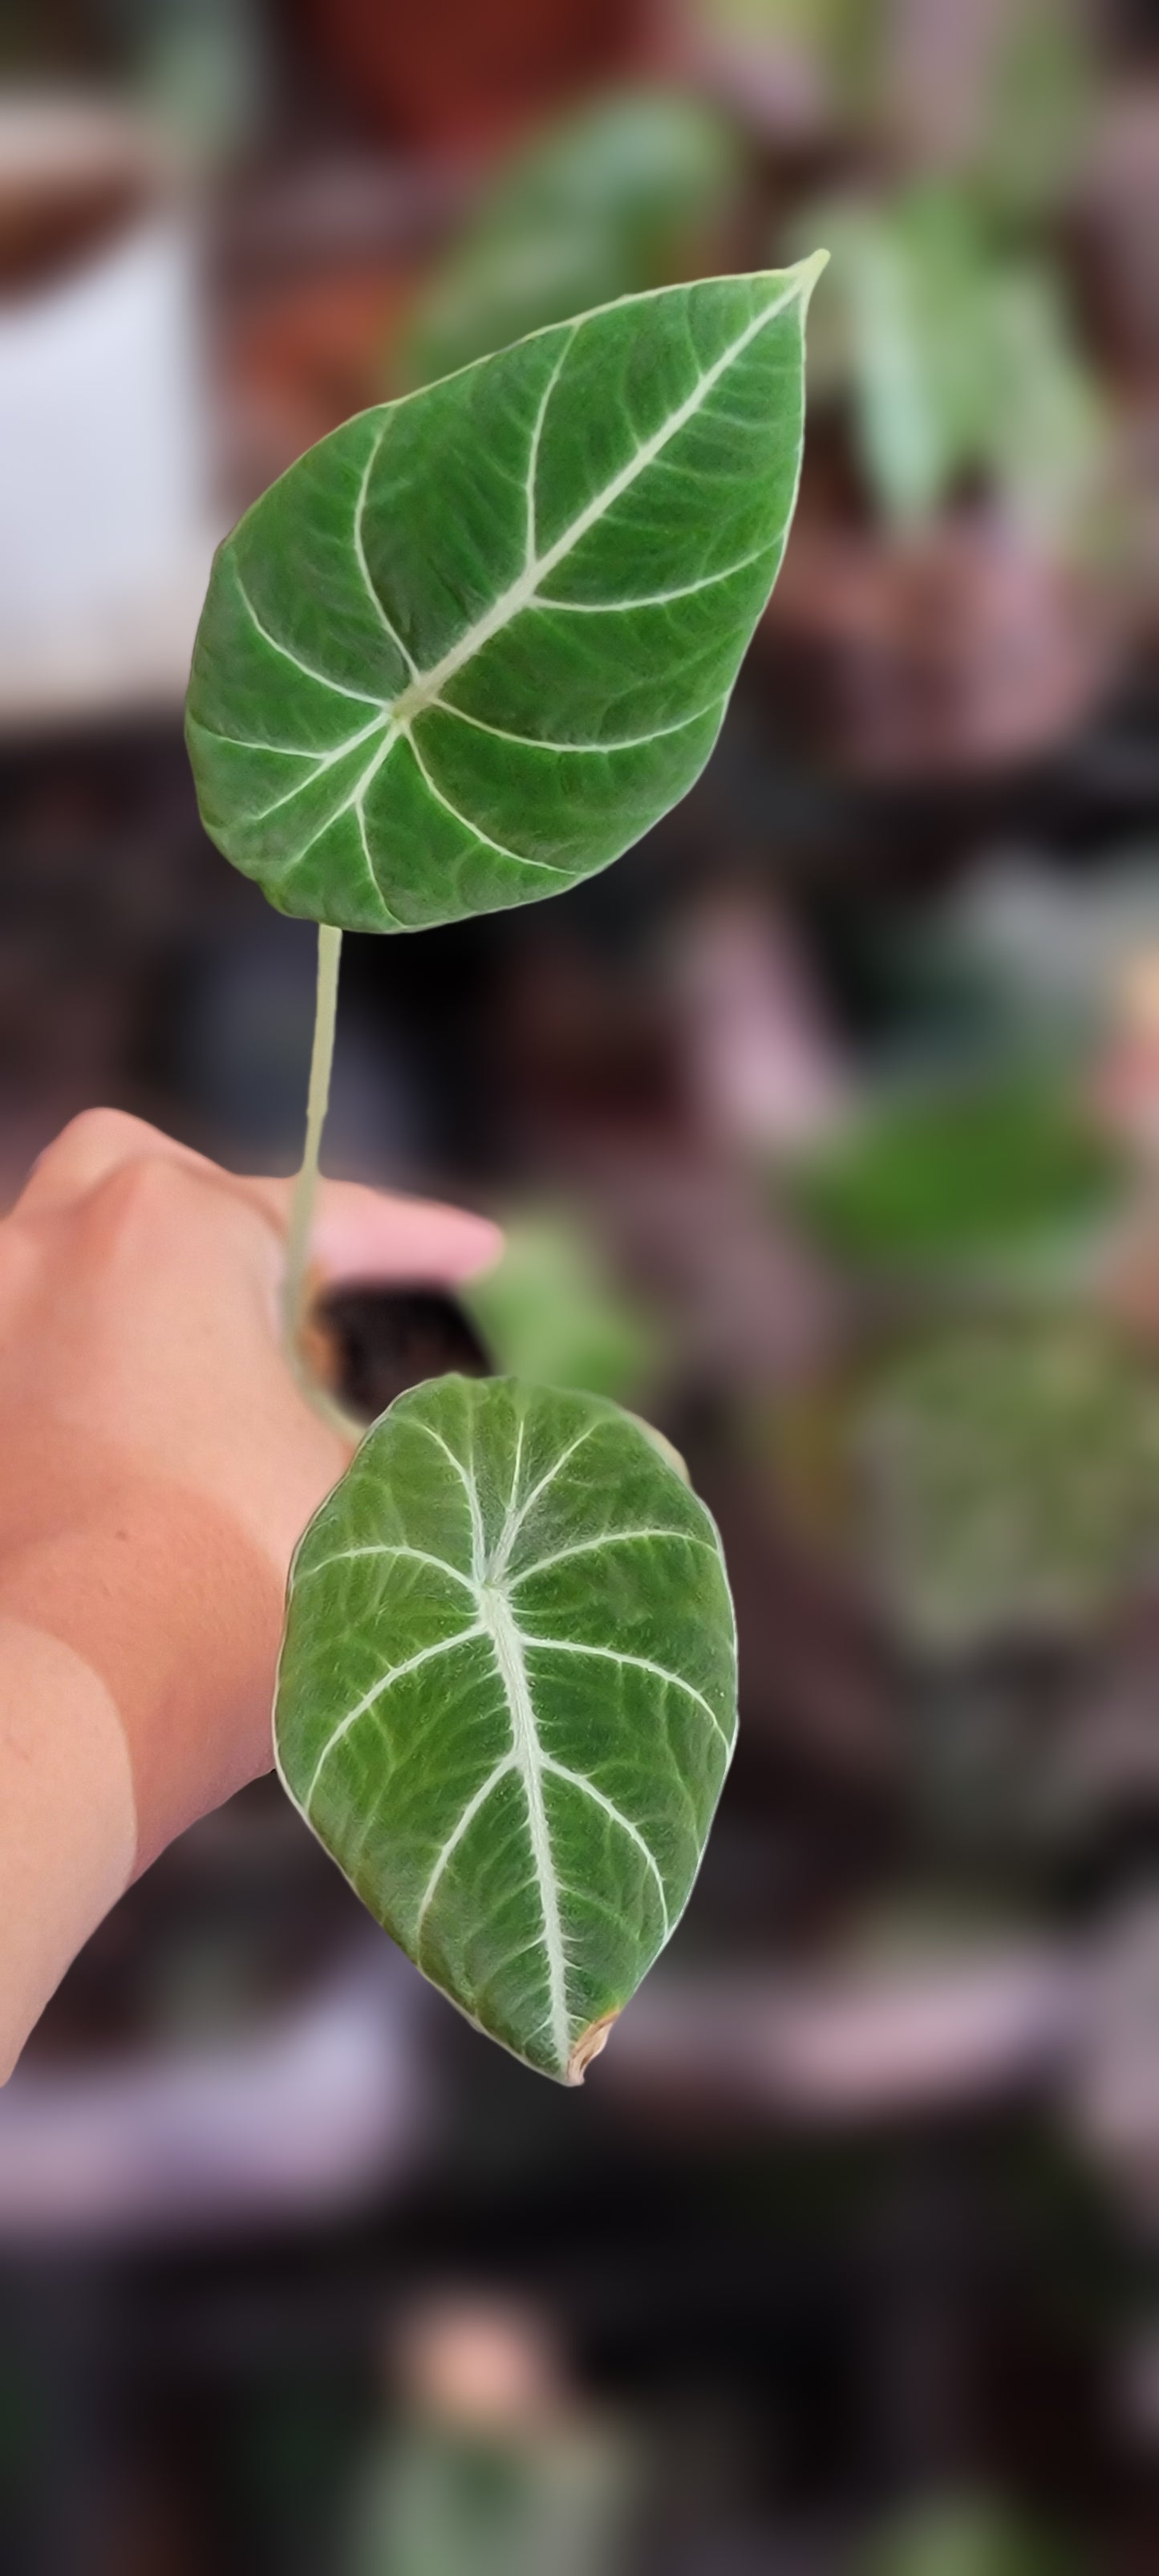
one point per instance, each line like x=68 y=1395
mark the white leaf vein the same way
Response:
x=658 y=598
x=641 y=1663
x=517 y=1514
x=607 y=1538
x=424 y=688
x=536 y=742
x=533 y=452
x=478 y=1534
x=528 y=1758
x=476 y=829
x=389 y=630
x=502 y=1771
x=385 y=1682
x=322 y=762
x=350 y=805
x=323 y=678
x=418 y=1556
x=580 y=1780
x=520 y=592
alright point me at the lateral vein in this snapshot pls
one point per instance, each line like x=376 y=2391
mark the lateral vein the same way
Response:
x=536 y=435
x=389 y=630
x=466 y=1820
x=420 y=1555
x=658 y=598
x=580 y=1780
x=350 y=804
x=522 y=590
x=276 y=645
x=608 y=1538
x=520 y=857
x=478 y=1535
x=642 y=1663
x=516 y=1518
x=426 y=1655
x=534 y=742
x=322 y=762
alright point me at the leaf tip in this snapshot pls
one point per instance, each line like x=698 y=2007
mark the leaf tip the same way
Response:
x=809 y=270
x=591 y=2043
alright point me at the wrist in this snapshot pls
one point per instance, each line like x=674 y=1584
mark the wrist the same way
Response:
x=176 y=1613
x=68 y=1826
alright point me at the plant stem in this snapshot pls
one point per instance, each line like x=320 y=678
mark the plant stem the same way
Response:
x=317 y=1101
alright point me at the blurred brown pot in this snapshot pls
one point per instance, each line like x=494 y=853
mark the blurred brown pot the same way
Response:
x=308 y=356
x=461 y=72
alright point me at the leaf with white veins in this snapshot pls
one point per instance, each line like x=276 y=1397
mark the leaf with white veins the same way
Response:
x=475 y=642
x=507 y=1700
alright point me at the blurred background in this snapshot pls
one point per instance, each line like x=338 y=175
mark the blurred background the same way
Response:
x=826 y=1127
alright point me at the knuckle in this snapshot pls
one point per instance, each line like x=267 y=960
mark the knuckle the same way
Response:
x=98 y=1131
x=91 y=1141
x=136 y=1190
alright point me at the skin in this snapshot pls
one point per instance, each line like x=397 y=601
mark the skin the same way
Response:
x=160 y=1463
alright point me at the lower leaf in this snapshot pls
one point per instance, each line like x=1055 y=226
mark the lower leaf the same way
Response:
x=507 y=1700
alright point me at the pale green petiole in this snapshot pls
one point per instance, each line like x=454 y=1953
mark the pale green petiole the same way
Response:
x=317 y=1101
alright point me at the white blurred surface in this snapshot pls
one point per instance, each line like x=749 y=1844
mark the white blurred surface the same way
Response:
x=105 y=517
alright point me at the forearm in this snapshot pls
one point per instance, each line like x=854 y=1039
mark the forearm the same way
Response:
x=68 y=1823
x=178 y=1610
x=137 y=1654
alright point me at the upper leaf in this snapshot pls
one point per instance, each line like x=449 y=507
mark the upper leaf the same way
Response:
x=507 y=1700
x=475 y=642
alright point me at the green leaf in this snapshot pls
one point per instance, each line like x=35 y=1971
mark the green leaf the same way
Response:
x=966 y=2536
x=549 y=1311
x=506 y=1701
x=614 y=198
x=475 y=642
x=993 y=1166
x=1009 y=1475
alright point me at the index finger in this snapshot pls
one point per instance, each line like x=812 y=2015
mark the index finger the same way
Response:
x=367 y=1235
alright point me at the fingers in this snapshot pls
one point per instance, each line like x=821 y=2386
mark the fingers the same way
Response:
x=363 y=1234
x=87 y=1151
x=359 y=1233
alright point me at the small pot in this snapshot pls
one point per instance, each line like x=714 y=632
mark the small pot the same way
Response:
x=460 y=73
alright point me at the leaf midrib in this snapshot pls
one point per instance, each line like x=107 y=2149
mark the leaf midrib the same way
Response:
x=507 y=1647
x=523 y=590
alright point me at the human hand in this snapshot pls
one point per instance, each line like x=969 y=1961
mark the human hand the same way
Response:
x=160 y=1460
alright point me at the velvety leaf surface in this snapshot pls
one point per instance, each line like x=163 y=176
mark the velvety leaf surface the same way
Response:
x=507 y=1700
x=475 y=642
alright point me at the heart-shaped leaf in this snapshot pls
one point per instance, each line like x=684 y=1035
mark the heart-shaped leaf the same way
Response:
x=475 y=642
x=507 y=1700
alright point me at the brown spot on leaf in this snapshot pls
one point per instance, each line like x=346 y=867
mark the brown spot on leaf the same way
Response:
x=589 y=2044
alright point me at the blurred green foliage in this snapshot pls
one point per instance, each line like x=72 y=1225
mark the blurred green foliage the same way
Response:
x=617 y=198
x=441 y=2501
x=1035 y=106
x=955 y=353
x=1009 y=1473
x=967 y=2536
x=1020 y=128
x=970 y=1172
x=550 y=1313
